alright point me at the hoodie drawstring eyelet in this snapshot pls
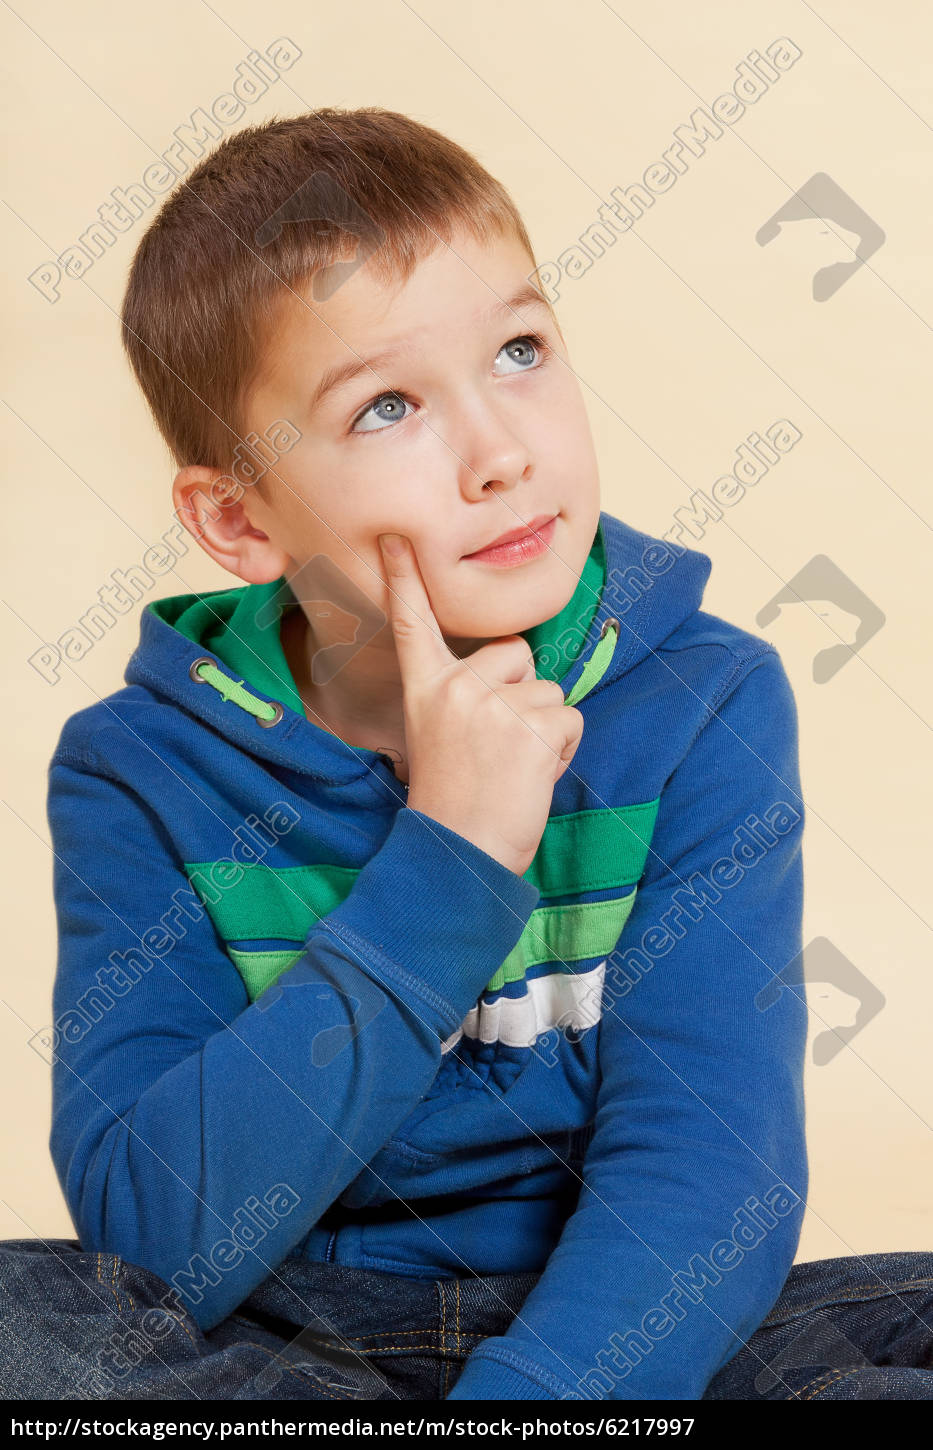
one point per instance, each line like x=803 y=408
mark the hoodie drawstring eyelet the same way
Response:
x=205 y=671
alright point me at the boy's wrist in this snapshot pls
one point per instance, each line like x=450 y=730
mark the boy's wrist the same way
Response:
x=484 y=840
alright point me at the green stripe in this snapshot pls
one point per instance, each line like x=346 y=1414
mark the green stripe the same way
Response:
x=552 y=933
x=580 y=852
x=593 y=850
x=566 y=934
x=598 y=850
x=270 y=901
x=259 y=969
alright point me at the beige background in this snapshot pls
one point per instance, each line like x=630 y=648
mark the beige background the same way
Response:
x=686 y=335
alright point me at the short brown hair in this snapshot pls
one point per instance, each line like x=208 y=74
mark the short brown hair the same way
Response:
x=269 y=209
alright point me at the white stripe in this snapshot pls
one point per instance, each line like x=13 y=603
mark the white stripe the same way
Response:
x=561 y=999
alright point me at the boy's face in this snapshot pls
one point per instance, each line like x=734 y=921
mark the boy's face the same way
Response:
x=484 y=432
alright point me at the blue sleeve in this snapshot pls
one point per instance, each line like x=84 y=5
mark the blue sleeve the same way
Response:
x=694 y=1181
x=176 y=1105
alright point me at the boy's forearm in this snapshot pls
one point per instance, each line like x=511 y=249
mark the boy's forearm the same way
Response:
x=695 y=1179
x=183 y=1103
x=659 y=1295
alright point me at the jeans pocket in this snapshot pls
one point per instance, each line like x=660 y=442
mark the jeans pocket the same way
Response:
x=154 y=1307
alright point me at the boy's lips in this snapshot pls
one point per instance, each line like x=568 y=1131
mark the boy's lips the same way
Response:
x=512 y=534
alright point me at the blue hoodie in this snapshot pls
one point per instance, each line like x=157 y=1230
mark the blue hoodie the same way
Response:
x=296 y=1017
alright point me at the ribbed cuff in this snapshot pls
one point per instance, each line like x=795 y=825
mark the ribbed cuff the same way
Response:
x=486 y=1378
x=440 y=908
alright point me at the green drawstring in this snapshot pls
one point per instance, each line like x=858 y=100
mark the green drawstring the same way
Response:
x=235 y=690
x=597 y=664
x=207 y=671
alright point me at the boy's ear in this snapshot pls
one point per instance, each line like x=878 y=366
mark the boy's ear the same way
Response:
x=209 y=502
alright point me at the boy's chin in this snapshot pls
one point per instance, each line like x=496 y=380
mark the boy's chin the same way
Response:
x=485 y=623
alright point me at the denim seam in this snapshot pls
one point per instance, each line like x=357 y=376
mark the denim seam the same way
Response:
x=177 y=1318
x=386 y=1348
x=359 y=1341
x=443 y=1298
x=381 y=1334
x=863 y=1291
x=118 y=1276
x=112 y=1285
x=182 y=1325
x=831 y=1377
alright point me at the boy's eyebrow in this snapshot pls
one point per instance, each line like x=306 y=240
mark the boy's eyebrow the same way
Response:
x=341 y=374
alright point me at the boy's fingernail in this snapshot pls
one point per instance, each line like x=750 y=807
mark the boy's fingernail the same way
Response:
x=392 y=543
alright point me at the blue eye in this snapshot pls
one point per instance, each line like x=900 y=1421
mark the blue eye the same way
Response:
x=393 y=404
x=524 y=352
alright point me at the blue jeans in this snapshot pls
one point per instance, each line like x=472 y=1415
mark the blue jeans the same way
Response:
x=76 y=1325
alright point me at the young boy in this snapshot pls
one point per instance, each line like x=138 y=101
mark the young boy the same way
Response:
x=429 y=1020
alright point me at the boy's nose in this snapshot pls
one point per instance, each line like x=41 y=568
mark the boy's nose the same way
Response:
x=495 y=458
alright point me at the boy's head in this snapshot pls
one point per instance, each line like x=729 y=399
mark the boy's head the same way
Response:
x=327 y=242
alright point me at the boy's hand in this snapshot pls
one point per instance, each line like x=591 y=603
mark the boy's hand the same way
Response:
x=487 y=740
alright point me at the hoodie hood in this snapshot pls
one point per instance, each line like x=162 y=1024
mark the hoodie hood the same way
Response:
x=633 y=592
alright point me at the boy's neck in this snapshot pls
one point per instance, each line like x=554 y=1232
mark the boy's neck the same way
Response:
x=362 y=704
x=357 y=707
